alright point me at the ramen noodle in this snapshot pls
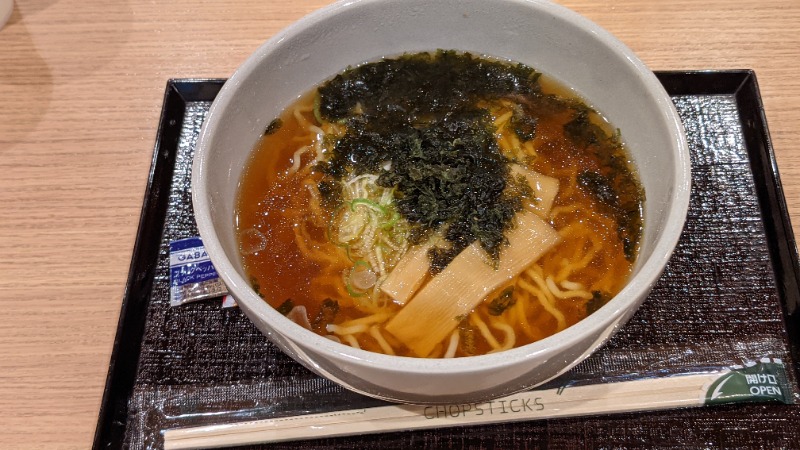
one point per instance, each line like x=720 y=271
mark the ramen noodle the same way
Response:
x=439 y=205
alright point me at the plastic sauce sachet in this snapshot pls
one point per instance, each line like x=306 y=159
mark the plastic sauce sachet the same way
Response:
x=192 y=277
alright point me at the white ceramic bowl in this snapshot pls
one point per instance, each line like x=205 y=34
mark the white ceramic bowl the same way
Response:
x=6 y=6
x=548 y=37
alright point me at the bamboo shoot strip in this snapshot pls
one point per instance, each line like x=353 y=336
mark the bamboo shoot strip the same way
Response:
x=544 y=188
x=441 y=304
x=408 y=275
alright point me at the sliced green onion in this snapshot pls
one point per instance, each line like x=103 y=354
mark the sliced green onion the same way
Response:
x=368 y=203
x=392 y=221
x=352 y=290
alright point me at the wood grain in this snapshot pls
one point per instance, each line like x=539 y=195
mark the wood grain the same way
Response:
x=81 y=85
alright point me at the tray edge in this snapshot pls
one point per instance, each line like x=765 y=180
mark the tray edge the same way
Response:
x=741 y=83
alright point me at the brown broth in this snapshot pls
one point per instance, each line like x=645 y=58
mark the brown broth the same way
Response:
x=276 y=205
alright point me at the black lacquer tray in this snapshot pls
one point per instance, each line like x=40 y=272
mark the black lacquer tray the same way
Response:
x=729 y=294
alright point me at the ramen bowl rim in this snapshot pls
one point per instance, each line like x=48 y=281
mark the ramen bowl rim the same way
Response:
x=629 y=297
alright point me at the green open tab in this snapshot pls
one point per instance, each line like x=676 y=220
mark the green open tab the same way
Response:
x=762 y=381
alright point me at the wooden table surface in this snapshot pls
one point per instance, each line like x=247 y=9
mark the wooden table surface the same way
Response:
x=81 y=86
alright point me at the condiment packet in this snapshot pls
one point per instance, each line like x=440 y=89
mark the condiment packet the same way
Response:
x=192 y=277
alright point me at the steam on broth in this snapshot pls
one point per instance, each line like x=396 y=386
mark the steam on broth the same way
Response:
x=439 y=205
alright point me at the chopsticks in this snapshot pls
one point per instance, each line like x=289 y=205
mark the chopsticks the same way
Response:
x=626 y=396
